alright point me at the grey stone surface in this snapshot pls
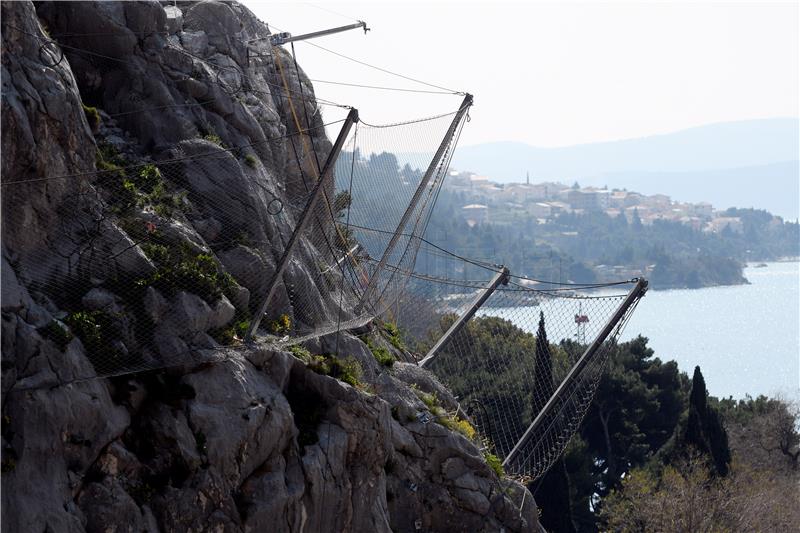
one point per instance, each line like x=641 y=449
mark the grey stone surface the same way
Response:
x=257 y=441
x=174 y=19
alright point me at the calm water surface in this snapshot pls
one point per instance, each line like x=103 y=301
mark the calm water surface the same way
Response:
x=746 y=338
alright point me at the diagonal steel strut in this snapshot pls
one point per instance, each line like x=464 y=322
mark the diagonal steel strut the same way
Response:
x=635 y=293
x=324 y=179
x=423 y=184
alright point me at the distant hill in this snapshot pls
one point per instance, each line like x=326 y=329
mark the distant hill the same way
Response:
x=720 y=163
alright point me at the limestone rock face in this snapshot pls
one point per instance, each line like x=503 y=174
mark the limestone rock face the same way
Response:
x=228 y=439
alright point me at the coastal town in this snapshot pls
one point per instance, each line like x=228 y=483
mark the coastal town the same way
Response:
x=488 y=201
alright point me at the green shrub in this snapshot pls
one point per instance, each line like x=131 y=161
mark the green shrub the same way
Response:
x=96 y=330
x=149 y=177
x=198 y=274
x=7 y=465
x=280 y=326
x=92 y=116
x=342 y=201
x=494 y=463
x=201 y=441
x=381 y=354
x=232 y=334
x=300 y=352
x=346 y=369
x=56 y=332
x=393 y=335
x=250 y=160
x=344 y=238
x=158 y=253
x=214 y=138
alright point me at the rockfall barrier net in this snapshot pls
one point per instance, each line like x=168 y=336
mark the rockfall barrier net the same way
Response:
x=157 y=262
x=528 y=344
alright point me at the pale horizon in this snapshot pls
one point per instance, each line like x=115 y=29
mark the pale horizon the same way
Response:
x=557 y=74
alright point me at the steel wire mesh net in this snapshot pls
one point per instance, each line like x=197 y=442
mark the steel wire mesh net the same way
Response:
x=374 y=195
x=156 y=263
x=509 y=359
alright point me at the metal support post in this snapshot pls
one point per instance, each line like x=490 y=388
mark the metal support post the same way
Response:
x=500 y=277
x=635 y=293
x=319 y=188
x=423 y=184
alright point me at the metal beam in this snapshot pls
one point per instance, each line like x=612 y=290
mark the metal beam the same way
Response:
x=423 y=184
x=500 y=277
x=319 y=188
x=283 y=38
x=635 y=293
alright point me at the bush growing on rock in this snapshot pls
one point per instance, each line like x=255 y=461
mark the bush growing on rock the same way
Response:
x=197 y=274
x=250 y=160
x=97 y=331
x=380 y=353
x=494 y=463
x=280 y=326
x=346 y=369
x=92 y=117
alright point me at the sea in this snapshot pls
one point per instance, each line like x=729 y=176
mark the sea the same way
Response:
x=744 y=338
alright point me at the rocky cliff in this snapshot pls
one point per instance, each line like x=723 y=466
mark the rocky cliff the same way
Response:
x=210 y=437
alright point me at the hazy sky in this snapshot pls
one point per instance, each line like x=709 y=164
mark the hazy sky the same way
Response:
x=552 y=74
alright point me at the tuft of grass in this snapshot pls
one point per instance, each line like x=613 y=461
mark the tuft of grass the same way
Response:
x=457 y=424
x=392 y=334
x=280 y=326
x=441 y=416
x=494 y=463
x=346 y=369
x=430 y=400
x=250 y=160
x=301 y=353
x=342 y=201
x=92 y=116
x=214 y=138
x=380 y=353
x=108 y=158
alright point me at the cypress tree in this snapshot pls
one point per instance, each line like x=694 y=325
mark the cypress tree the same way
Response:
x=543 y=376
x=552 y=491
x=704 y=429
